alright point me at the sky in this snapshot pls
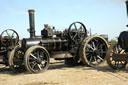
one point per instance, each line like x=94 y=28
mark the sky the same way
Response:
x=101 y=16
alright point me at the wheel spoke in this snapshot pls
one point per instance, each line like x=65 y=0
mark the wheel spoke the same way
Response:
x=88 y=55
x=33 y=56
x=89 y=52
x=12 y=35
x=81 y=28
x=39 y=67
x=100 y=58
x=74 y=36
x=7 y=33
x=95 y=59
x=90 y=59
x=11 y=42
x=94 y=45
x=98 y=45
x=75 y=26
x=79 y=36
x=90 y=47
x=34 y=64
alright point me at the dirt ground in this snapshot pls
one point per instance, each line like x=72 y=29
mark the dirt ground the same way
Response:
x=61 y=74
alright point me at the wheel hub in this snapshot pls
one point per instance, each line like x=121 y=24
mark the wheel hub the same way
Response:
x=95 y=52
x=39 y=60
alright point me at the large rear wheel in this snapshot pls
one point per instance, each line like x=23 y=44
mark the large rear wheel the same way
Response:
x=93 y=50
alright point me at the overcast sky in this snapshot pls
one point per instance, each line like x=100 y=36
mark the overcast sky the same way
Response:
x=102 y=16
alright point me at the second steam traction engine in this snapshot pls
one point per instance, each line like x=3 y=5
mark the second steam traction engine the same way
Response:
x=117 y=54
x=34 y=53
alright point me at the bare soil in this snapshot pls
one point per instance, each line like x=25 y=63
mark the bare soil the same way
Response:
x=62 y=74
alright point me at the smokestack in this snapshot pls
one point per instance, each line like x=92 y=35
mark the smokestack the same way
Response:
x=32 y=23
x=127 y=6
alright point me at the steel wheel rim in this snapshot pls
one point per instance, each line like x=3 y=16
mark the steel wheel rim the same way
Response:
x=38 y=60
x=95 y=51
x=76 y=34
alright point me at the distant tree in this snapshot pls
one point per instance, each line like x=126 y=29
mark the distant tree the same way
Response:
x=113 y=41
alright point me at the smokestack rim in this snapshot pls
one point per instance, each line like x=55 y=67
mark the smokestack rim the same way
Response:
x=31 y=11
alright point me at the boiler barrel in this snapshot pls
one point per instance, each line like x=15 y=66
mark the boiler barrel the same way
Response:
x=55 y=44
x=51 y=44
x=28 y=42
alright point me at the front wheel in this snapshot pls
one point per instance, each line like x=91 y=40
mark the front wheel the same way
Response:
x=36 y=59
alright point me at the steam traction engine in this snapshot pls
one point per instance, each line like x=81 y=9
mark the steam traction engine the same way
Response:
x=117 y=54
x=34 y=53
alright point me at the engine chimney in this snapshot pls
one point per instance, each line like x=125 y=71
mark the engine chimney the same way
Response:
x=127 y=6
x=32 y=23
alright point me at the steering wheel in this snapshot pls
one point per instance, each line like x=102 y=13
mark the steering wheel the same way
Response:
x=9 y=38
x=77 y=31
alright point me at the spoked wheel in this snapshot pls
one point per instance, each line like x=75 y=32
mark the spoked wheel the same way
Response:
x=9 y=38
x=93 y=50
x=36 y=59
x=77 y=32
x=16 y=60
x=116 y=63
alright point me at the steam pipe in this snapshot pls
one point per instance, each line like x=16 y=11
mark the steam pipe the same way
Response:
x=127 y=6
x=32 y=23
